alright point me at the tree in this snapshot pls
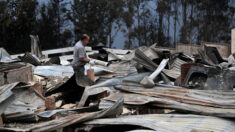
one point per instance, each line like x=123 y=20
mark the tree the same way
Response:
x=114 y=11
x=175 y=19
x=162 y=9
x=213 y=17
x=19 y=22
x=96 y=18
x=183 y=34
x=139 y=32
x=52 y=18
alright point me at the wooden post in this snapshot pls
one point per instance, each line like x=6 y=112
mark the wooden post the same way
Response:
x=233 y=41
x=50 y=105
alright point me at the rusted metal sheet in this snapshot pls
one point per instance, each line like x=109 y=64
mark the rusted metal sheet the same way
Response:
x=52 y=125
x=131 y=99
x=23 y=74
x=49 y=113
x=216 y=103
x=171 y=123
x=24 y=107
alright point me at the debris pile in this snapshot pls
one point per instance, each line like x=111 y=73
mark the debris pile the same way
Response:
x=144 y=89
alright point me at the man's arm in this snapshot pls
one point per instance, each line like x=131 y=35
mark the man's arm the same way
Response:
x=84 y=60
x=82 y=56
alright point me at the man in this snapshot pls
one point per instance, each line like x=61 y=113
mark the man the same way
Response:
x=79 y=57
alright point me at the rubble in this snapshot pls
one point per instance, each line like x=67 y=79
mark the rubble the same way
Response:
x=169 y=122
x=144 y=89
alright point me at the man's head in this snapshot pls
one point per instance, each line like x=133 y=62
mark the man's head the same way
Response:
x=85 y=39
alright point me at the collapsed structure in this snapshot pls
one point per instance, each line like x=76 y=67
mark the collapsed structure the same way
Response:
x=145 y=89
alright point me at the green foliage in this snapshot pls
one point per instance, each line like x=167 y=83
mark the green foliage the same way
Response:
x=17 y=23
x=96 y=18
x=59 y=23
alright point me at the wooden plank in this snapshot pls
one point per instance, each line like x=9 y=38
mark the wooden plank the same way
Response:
x=23 y=74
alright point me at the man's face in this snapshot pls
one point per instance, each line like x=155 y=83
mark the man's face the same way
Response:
x=86 y=41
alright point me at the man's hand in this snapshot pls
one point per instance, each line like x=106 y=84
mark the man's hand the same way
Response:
x=92 y=62
x=84 y=60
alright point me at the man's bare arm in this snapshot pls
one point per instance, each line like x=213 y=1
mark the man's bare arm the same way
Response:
x=84 y=60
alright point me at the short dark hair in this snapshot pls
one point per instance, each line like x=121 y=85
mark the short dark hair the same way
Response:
x=84 y=37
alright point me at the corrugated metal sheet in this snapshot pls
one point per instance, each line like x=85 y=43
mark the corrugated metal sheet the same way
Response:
x=142 y=59
x=71 y=119
x=172 y=73
x=6 y=96
x=216 y=103
x=149 y=52
x=98 y=70
x=171 y=123
x=24 y=106
x=117 y=51
x=4 y=56
x=32 y=59
x=131 y=99
x=9 y=66
x=120 y=69
x=54 y=71
x=176 y=64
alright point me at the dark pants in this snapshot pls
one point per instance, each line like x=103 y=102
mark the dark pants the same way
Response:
x=79 y=73
x=79 y=70
x=81 y=79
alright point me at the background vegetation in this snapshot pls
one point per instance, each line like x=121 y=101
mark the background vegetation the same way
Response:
x=59 y=23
